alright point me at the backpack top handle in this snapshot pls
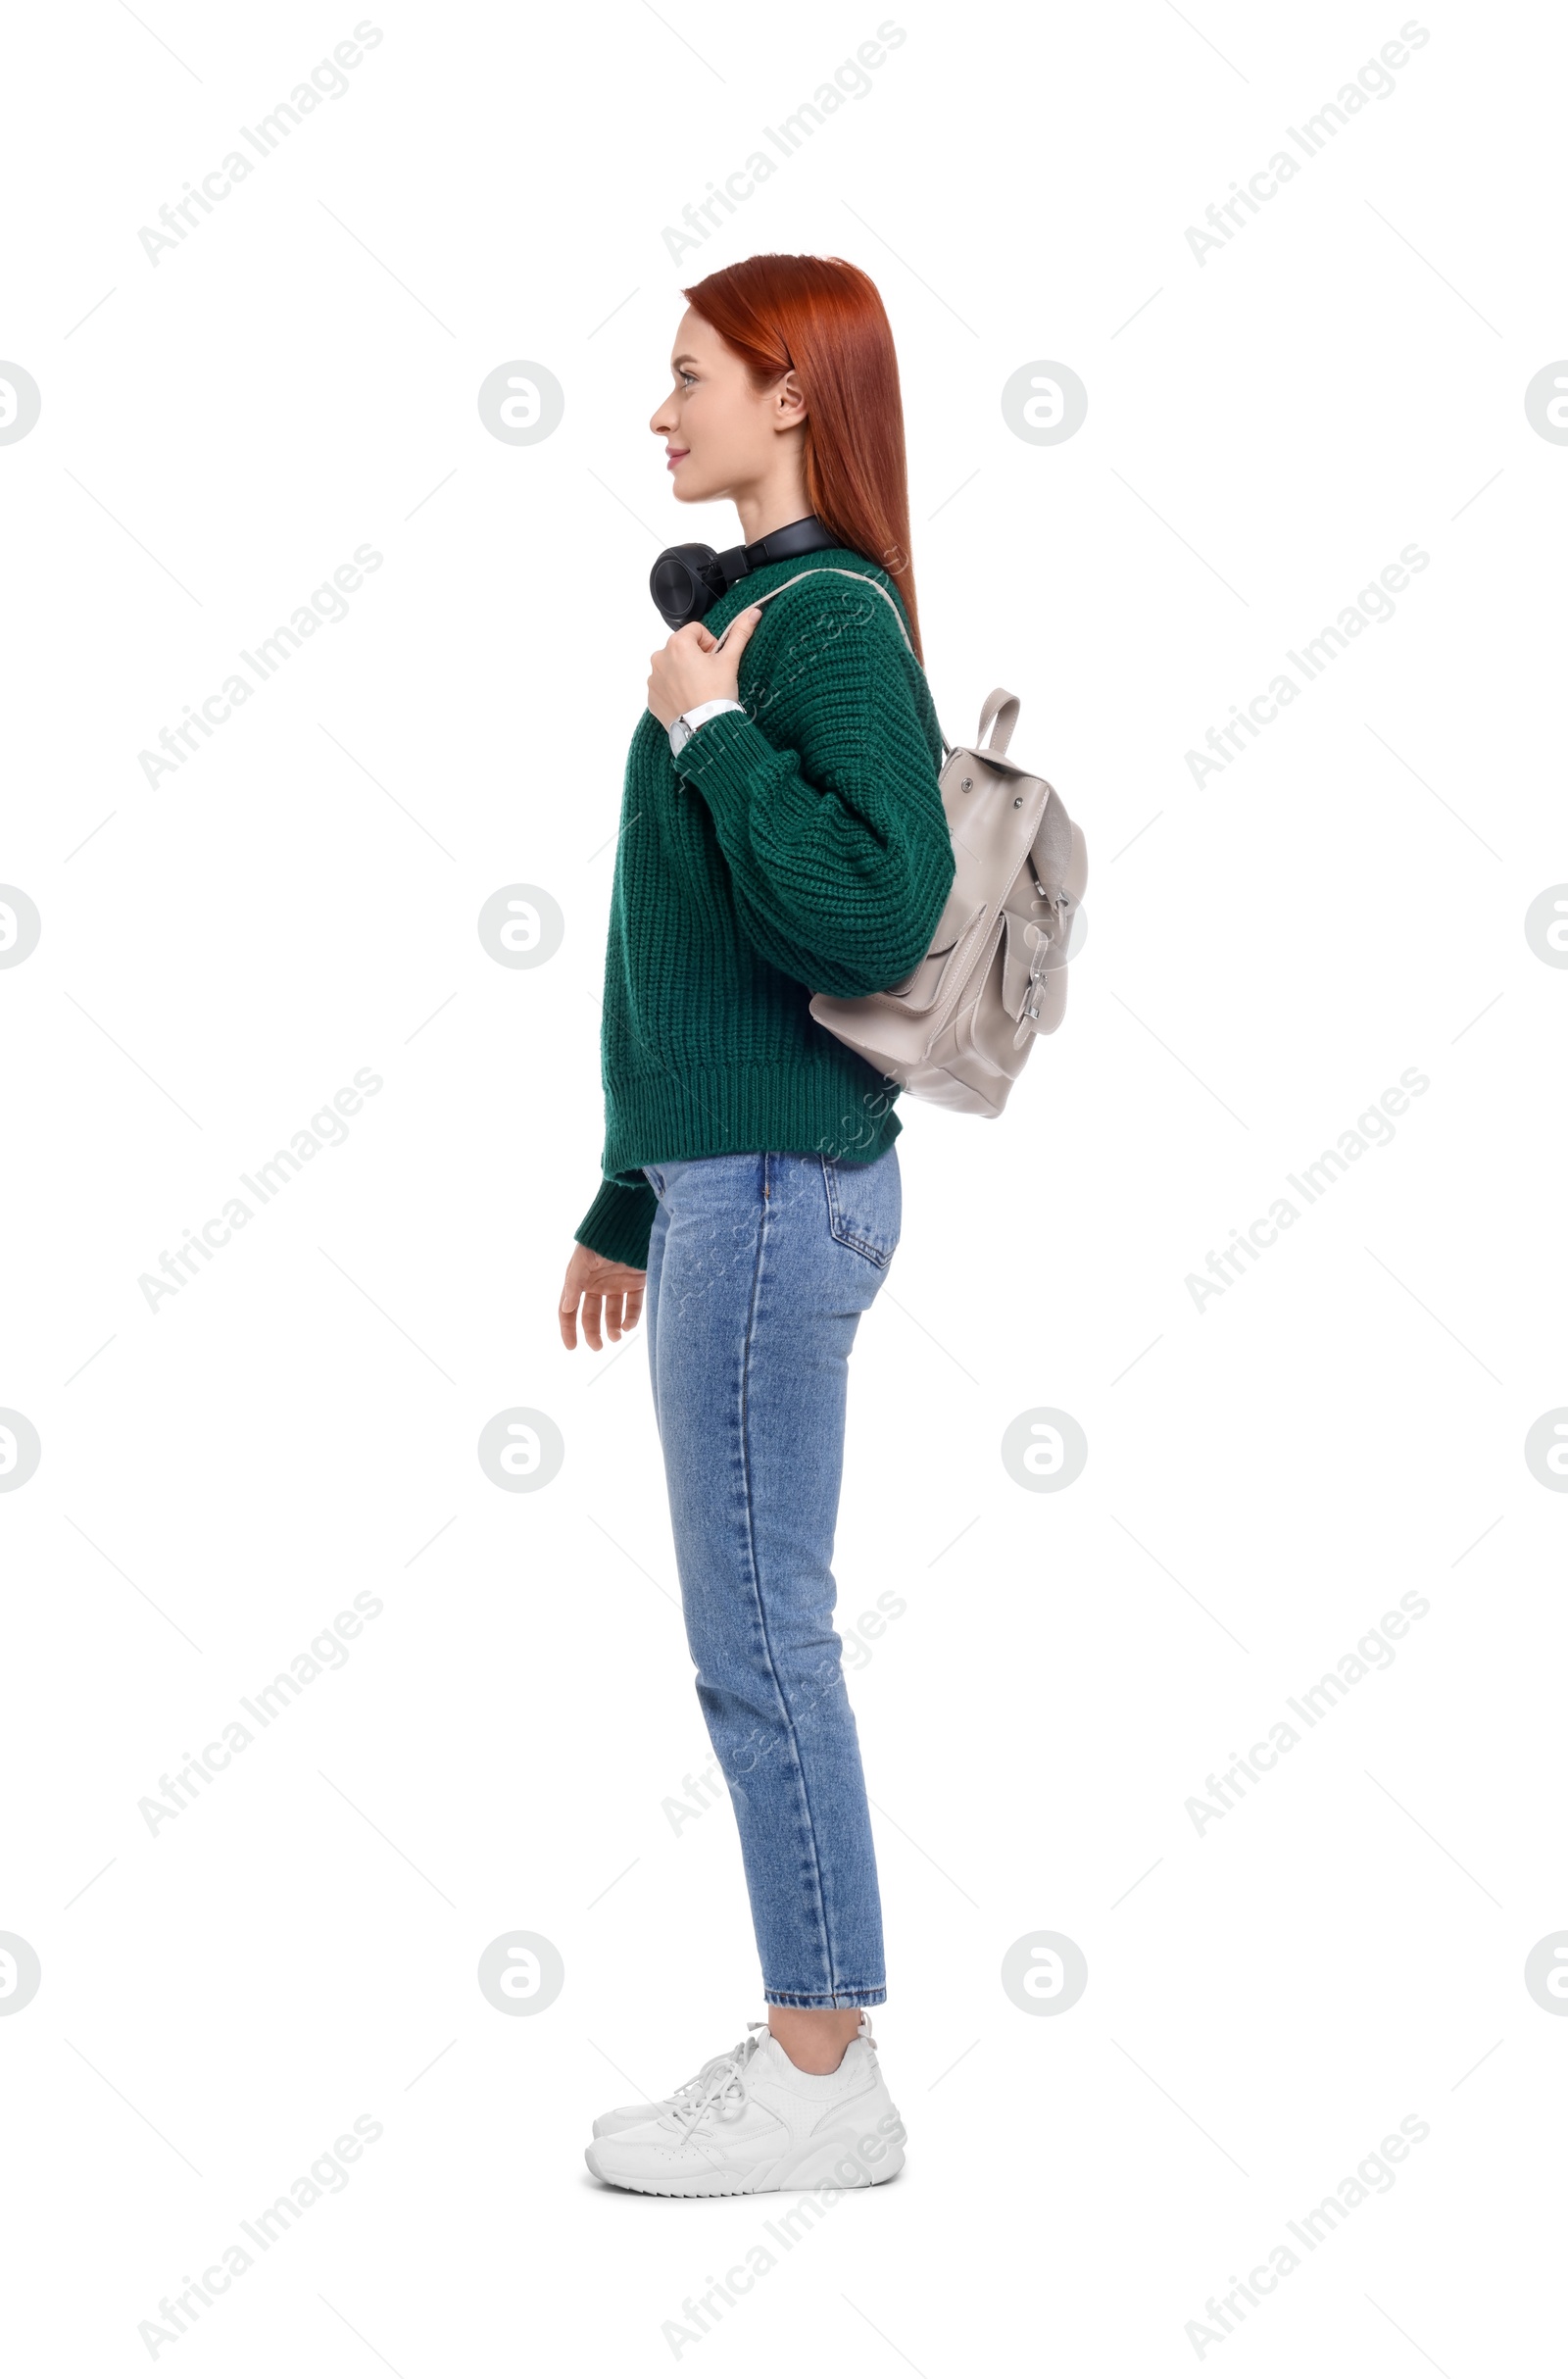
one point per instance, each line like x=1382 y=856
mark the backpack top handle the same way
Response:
x=999 y=715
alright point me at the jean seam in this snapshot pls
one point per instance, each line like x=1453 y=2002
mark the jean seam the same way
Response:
x=869 y=1995
x=757 y=1590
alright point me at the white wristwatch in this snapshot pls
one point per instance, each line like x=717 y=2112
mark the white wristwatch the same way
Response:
x=686 y=726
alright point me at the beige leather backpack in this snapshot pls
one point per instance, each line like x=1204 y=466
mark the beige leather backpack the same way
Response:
x=957 y=1030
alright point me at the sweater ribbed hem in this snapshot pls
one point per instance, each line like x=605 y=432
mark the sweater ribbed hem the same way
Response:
x=834 y=1105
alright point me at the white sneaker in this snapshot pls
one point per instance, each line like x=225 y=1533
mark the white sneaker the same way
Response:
x=753 y=2120
x=627 y=2119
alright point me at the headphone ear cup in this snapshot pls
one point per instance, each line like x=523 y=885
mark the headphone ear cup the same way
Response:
x=684 y=583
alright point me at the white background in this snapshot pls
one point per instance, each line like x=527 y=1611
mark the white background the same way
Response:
x=1267 y=953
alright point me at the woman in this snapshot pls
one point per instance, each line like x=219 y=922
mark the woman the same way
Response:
x=782 y=832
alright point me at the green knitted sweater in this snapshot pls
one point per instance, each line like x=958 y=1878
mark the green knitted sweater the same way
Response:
x=799 y=845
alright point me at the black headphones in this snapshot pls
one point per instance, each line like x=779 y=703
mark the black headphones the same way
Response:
x=688 y=580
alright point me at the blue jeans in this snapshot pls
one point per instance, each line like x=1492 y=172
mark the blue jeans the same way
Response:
x=758 y=1270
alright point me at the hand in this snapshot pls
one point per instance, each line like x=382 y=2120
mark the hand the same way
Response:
x=596 y=1282
x=691 y=669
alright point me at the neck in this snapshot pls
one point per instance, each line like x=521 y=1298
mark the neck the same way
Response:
x=762 y=510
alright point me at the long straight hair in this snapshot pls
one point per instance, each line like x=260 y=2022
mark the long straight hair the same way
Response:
x=825 y=319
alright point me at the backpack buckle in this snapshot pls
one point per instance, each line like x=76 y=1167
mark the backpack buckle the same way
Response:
x=1038 y=968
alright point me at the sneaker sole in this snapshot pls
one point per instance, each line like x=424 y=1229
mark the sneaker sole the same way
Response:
x=812 y=2168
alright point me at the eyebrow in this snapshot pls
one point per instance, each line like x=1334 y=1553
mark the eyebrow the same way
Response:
x=676 y=361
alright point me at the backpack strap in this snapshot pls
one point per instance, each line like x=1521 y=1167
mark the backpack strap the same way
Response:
x=831 y=569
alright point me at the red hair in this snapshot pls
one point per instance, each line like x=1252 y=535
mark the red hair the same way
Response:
x=825 y=319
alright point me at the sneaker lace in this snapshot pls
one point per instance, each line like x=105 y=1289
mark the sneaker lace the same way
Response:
x=722 y=2096
x=696 y=2087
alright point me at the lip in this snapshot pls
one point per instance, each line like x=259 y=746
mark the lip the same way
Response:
x=675 y=456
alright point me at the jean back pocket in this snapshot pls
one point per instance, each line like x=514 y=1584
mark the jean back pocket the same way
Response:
x=865 y=1205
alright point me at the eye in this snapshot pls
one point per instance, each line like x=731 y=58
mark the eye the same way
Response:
x=688 y=375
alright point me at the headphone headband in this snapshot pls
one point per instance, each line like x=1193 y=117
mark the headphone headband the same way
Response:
x=687 y=580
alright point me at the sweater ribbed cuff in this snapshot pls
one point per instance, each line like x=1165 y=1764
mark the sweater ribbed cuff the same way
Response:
x=620 y=1223
x=723 y=757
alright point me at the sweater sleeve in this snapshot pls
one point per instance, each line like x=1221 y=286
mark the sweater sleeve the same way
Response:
x=620 y=1223
x=830 y=817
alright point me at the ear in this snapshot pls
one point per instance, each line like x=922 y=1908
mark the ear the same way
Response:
x=788 y=402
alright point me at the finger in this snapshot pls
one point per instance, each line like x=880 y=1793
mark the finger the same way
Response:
x=738 y=634
x=634 y=1308
x=567 y=1313
x=590 y=1322
x=706 y=639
